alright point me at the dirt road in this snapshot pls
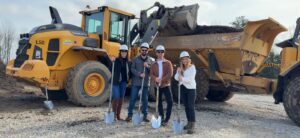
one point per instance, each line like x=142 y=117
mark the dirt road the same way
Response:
x=22 y=115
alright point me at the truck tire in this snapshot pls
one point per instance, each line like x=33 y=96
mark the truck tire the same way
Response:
x=291 y=100
x=219 y=95
x=202 y=86
x=56 y=94
x=88 y=84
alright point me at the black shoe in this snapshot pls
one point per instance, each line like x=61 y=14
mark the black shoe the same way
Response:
x=146 y=120
x=164 y=123
x=191 y=130
x=128 y=119
x=187 y=126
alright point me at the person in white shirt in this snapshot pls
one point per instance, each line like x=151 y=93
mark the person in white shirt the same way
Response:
x=161 y=73
x=186 y=76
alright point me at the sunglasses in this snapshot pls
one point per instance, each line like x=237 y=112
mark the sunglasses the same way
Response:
x=123 y=51
x=160 y=51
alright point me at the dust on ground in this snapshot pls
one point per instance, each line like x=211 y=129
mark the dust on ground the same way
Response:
x=23 y=115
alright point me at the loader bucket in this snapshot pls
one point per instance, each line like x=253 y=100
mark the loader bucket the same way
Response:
x=182 y=21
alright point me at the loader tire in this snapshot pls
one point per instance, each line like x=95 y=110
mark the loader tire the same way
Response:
x=56 y=94
x=202 y=86
x=219 y=95
x=291 y=100
x=88 y=84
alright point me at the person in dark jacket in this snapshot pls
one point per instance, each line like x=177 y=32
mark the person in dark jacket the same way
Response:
x=140 y=68
x=120 y=80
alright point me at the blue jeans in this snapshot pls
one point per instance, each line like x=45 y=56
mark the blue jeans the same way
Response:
x=119 y=90
x=133 y=98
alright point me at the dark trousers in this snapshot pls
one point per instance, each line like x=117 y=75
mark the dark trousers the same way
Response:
x=188 y=97
x=166 y=91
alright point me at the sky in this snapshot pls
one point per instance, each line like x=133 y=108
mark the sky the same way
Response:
x=23 y=15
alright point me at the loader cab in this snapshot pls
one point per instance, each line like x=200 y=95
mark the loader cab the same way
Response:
x=110 y=26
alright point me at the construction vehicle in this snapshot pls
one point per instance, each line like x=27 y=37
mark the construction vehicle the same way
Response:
x=74 y=59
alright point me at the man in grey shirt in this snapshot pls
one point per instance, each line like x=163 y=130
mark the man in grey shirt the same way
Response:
x=137 y=69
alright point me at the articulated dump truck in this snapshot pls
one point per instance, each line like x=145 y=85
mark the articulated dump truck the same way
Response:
x=227 y=59
x=72 y=62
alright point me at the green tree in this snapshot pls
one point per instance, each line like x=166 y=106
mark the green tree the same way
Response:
x=271 y=72
x=239 y=22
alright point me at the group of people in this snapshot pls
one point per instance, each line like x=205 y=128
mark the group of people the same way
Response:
x=160 y=72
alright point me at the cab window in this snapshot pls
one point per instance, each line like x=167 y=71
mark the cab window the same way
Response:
x=94 y=23
x=117 y=28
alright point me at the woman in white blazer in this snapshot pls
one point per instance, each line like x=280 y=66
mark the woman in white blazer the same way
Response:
x=186 y=77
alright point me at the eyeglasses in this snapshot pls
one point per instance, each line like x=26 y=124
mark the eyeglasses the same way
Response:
x=123 y=51
x=160 y=51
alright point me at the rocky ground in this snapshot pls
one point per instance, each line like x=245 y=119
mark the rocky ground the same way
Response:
x=22 y=115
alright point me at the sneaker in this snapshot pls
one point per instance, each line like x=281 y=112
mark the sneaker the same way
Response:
x=146 y=120
x=128 y=119
x=164 y=123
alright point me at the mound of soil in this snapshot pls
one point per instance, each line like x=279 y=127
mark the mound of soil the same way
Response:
x=214 y=30
x=6 y=82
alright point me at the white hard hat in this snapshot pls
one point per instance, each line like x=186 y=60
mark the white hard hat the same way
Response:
x=145 y=45
x=124 y=47
x=160 y=47
x=184 y=54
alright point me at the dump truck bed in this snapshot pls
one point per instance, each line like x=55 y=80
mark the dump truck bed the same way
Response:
x=238 y=53
x=244 y=51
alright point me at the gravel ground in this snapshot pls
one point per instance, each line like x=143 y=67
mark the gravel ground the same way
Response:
x=22 y=115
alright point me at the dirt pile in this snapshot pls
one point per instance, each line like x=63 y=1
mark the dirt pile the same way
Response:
x=203 y=29
x=7 y=83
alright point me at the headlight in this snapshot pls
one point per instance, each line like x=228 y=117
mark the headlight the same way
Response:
x=37 y=54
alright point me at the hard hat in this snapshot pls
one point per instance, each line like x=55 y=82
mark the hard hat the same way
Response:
x=160 y=48
x=184 y=54
x=123 y=47
x=145 y=45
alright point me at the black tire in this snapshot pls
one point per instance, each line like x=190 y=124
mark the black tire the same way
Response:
x=219 y=95
x=75 y=83
x=291 y=100
x=202 y=81
x=56 y=94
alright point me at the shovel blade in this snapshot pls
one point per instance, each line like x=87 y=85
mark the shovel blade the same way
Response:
x=177 y=127
x=156 y=121
x=137 y=119
x=109 y=117
x=48 y=105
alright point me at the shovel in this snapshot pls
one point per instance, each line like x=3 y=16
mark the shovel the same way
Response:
x=109 y=115
x=177 y=126
x=137 y=117
x=156 y=119
x=48 y=104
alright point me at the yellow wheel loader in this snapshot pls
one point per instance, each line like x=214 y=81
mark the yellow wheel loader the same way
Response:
x=73 y=62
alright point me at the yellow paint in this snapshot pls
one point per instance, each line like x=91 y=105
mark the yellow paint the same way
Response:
x=41 y=74
x=36 y=71
x=93 y=84
x=288 y=58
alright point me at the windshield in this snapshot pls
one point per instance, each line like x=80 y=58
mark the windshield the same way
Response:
x=94 y=23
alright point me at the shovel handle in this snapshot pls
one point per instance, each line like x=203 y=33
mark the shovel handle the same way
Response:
x=157 y=99
x=46 y=91
x=179 y=93
x=141 y=90
x=111 y=85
